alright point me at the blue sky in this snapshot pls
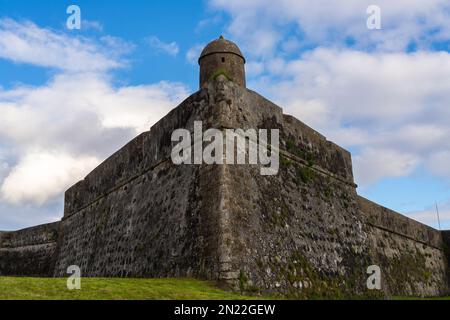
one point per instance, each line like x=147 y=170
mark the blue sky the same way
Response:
x=69 y=98
x=172 y=21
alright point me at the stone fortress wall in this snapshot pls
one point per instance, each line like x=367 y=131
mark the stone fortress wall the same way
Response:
x=303 y=232
x=139 y=215
x=307 y=228
x=29 y=252
x=413 y=255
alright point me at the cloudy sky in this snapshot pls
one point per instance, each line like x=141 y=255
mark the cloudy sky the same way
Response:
x=70 y=98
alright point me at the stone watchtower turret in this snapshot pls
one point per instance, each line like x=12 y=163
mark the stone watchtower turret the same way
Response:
x=222 y=57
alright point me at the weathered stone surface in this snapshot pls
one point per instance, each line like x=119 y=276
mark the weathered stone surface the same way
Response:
x=411 y=255
x=29 y=252
x=303 y=232
x=142 y=215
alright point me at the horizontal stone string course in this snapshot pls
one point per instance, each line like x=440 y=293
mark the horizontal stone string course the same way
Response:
x=119 y=186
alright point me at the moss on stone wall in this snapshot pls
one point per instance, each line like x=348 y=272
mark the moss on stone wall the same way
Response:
x=221 y=72
x=306 y=155
x=304 y=175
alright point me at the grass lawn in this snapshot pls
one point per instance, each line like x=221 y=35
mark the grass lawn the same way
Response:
x=113 y=289
x=123 y=289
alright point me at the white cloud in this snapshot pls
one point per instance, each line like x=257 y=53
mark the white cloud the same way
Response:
x=53 y=134
x=373 y=164
x=208 y=22
x=86 y=102
x=254 y=68
x=382 y=102
x=81 y=114
x=4 y=168
x=194 y=52
x=259 y=24
x=160 y=46
x=439 y=163
x=387 y=106
x=40 y=176
x=146 y=105
x=27 y=43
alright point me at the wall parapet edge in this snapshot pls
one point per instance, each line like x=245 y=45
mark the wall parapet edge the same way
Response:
x=388 y=220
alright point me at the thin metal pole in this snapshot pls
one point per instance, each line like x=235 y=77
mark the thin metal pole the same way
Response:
x=439 y=220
